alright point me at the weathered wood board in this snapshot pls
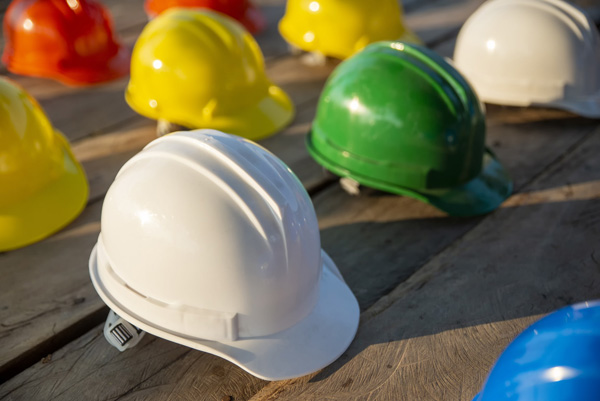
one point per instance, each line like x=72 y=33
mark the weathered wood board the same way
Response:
x=102 y=155
x=100 y=108
x=436 y=335
x=387 y=219
x=47 y=298
x=378 y=241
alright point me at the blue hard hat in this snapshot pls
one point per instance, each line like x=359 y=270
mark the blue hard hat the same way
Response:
x=555 y=359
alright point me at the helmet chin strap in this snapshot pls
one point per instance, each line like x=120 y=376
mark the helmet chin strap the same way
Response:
x=120 y=333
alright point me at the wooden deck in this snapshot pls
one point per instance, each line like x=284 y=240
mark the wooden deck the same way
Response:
x=440 y=296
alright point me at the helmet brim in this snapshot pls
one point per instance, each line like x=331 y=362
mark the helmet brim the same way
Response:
x=492 y=91
x=269 y=116
x=478 y=196
x=114 y=68
x=47 y=211
x=291 y=33
x=310 y=345
x=587 y=107
x=265 y=118
x=79 y=75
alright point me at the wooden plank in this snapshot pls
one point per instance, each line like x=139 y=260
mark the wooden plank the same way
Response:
x=103 y=155
x=436 y=335
x=302 y=82
x=129 y=144
x=524 y=139
x=270 y=41
x=368 y=234
x=37 y=314
x=164 y=371
x=441 y=20
x=392 y=236
x=116 y=148
x=104 y=106
x=100 y=192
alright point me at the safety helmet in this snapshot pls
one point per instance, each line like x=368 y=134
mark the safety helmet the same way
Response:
x=202 y=69
x=71 y=41
x=555 y=359
x=210 y=241
x=42 y=187
x=399 y=118
x=547 y=55
x=241 y=10
x=340 y=28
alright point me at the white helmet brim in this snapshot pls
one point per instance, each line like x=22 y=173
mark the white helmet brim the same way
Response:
x=310 y=345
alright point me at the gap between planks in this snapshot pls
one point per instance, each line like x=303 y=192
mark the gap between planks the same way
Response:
x=83 y=367
x=436 y=337
x=122 y=147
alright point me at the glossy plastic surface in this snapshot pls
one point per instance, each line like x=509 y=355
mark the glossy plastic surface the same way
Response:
x=201 y=69
x=555 y=359
x=71 y=41
x=548 y=55
x=42 y=187
x=210 y=241
x=340 y=28
x=241 y=10
x=399 y=118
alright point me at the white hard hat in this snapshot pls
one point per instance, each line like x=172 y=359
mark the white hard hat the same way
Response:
x=532 y=52
x=210 y=241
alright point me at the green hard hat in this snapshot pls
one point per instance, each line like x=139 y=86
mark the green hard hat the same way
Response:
x=397 y=117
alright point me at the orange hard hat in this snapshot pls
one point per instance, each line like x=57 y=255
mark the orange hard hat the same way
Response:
x=71 y=41
x=242 y=10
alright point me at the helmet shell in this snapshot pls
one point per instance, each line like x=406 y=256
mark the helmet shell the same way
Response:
x=398 y=117
x=241 y=10
x=515 y=65
x=340 y=28
x=202 y=69
x=70 y=41
x=555 y=359
x=210 y=241
x=42 y=187
x=224 y=222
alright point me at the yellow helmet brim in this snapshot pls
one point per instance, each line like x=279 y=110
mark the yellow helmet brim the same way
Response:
x=264 y=118
x=267 y=117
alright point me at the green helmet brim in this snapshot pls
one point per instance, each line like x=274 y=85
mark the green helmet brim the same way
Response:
x=480 y=195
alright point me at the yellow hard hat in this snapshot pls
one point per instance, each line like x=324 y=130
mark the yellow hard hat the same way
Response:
x=202 y=69
x=340 y=28
x=42 y=186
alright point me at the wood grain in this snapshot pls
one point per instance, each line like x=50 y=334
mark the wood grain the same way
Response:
x=526 y=144
x=436 y=335
x=394 y=236
x=102 y=150
x=45 y=293
x=161 y=370
x=377 y=240
x=102 y=107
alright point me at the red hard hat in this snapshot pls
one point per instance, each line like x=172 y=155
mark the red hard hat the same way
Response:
x=241 y=10
x=71 y=41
